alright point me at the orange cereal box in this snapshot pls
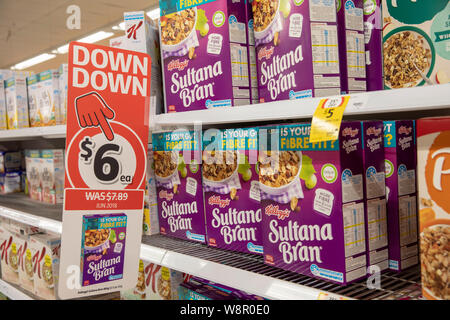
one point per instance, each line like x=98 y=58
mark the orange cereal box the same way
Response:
x=433 y=168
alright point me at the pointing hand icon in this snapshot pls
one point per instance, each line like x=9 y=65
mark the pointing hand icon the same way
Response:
x=92 y=111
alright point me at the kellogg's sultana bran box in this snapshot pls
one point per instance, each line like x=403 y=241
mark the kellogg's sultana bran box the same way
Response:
x=204 y=54
x=177 y=158
x=433 y=176
x=296 y=48
x=401 y=200
x=312 y=202
x=231 y=188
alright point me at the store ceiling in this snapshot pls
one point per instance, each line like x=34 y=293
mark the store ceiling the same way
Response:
x=32 y=27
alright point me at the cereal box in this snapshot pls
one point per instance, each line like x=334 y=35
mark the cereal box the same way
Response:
x=52 y=175
x=10 y=161
x=161 y=283
x=139 y=291
x=373 y=40
x=9 y=251
x=375 y=194
x=351 y=48
x=433 y=175
x=296 y=48
x=204 y=54
x=45 y=259
x=3 y=123
x=415 y=43
x=231 y=188
x=118 y=42
x=151 y=222
x=33 y=168
x=253 y=73
x=10 y=182
x=48 y=97
x=63 y=72
x=17 y=102
x=25 y=256
x=401 y=200
x=142 y=35
x=312 y=202
x=102 y=248
x=177 y=158
x=33 y=95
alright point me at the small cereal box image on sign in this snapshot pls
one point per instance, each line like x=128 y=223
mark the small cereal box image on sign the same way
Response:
x=433 y=170
x=103 y=248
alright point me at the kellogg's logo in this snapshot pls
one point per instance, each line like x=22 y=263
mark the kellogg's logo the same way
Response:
x=94 y=257
x=373 y=131
x=177 y=65
x=272 y=210
x=163 y=194
x=216 y=200
x=437 y=171
x=350 y=132
x=265 y=53
x=404 y=130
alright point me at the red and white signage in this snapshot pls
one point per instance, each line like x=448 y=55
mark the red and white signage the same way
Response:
x=107 y=133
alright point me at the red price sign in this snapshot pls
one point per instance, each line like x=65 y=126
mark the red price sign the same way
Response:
x=107 y=120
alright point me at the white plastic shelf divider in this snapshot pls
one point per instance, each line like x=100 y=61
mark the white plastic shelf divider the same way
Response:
x=50 y=132
x=12 y=292
x=381 y=102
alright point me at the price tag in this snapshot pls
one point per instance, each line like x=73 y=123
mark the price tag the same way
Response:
x=327 y=119
x=106 y=157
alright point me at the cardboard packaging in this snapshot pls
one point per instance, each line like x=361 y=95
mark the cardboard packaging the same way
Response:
x=312 y=202
x=17 y=102
x=433 y=157
x=401 y=199
x=373 y=40
x=351 y=49
x=297 y=49
x=205 y=63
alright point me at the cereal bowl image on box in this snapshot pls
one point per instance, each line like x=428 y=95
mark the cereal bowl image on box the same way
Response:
x=266 y=20
x=178 y=32
x=103 y=248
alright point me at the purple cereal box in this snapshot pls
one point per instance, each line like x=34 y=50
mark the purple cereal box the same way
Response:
x=253 y=73
x=373 y=39
x=401 y=196
x=231 y=189
x=375 y=194
x=103 y=247
x=204 y=54
x=178 y=175
x=352 y=50
x=312 y=202
x=296 y=48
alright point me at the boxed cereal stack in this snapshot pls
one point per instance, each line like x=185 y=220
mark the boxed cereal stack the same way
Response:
x=9 y=253
x=375 y=195
x=296 y=49
x=48 y=97
x=33 y=98
x=204 y=54
x=415 y=43
x=351 y=48
x=3 y=123
x=373 y=40
x=10 y=172
x=45 y=249
x=231 y=189
x=433 y=170
x=251 y=53
x=17 y=101
x=151 y=222
x=401 y=200
x=33 y=169
x=63 y=73
x=177 y=158
x=312 y=202
x=51 y=174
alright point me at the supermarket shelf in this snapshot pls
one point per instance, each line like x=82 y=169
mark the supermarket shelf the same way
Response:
x=21 y=208
x=379 y=102
x=242 y=271
x=13 y=292
x=50 y=132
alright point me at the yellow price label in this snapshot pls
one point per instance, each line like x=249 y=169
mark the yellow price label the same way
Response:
x=327 y=119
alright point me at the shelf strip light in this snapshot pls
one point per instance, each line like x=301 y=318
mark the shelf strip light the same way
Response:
x=32 y=61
